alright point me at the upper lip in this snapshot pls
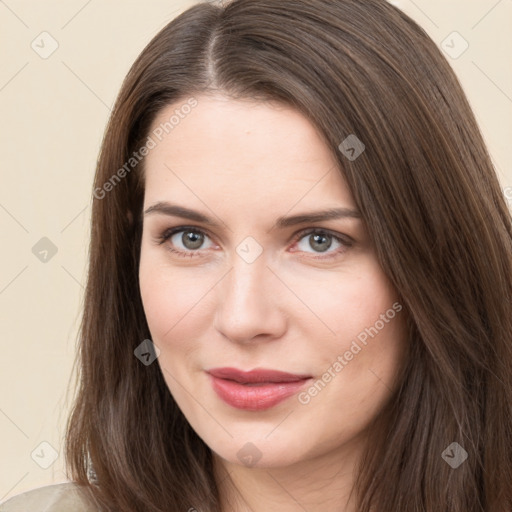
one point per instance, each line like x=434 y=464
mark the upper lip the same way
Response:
x=256 y=375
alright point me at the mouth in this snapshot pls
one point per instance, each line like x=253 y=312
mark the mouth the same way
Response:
x=255 y=390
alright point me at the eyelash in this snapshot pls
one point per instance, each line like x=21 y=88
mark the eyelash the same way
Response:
x=346 y=241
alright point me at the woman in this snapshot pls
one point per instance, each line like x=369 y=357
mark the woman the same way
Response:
x=299 y=294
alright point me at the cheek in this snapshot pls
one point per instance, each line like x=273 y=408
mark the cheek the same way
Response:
x=363 y=351
x=175 y=300
x=341 y=305
x=371 y=332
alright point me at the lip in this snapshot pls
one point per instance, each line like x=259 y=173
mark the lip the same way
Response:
x=255 y=390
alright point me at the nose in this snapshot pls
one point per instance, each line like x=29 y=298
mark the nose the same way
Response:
x=248 y=306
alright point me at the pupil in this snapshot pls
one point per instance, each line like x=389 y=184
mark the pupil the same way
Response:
x=317 y=240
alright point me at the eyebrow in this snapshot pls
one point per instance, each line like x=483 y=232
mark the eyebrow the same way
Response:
x=174 y=210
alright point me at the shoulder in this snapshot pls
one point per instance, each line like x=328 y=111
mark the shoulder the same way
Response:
x=51 y=498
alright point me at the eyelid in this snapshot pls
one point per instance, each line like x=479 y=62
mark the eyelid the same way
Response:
x=341 y=236
x=295 y=236
x=167 y=233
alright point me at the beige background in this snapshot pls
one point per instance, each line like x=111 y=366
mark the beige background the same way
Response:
x=54 y=111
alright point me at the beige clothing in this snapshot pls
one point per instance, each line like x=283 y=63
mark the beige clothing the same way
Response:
x=66 y=497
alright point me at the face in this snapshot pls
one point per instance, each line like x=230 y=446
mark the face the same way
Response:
x=240 y=279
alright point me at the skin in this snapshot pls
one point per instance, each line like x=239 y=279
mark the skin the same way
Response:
x=245 y=164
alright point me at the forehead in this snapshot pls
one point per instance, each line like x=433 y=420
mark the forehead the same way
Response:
x=249 y=151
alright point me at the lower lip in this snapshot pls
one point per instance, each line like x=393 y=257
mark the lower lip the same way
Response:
x=255 y=398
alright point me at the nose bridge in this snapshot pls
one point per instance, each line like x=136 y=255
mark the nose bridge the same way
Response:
x=246 y=305
x=246 y=286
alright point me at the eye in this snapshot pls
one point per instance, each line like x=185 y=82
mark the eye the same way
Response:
x=185 y=241
x=321 y=240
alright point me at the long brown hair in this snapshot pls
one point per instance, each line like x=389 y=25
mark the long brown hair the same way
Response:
x=435 y=212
